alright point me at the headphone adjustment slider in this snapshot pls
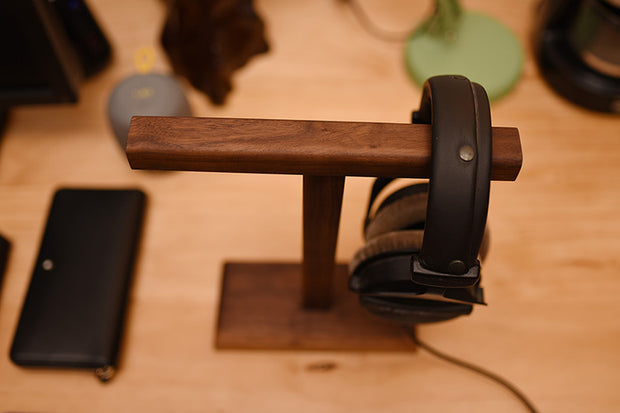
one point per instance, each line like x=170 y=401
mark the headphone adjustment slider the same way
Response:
x=424 y=276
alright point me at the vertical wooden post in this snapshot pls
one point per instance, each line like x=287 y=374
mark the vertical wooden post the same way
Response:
x=322 y=198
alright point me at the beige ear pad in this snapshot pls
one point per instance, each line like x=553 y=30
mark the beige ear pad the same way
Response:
x=398 y=215
x=386 y=243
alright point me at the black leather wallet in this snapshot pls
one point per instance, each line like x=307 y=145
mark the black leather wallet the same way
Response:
x=75 y=306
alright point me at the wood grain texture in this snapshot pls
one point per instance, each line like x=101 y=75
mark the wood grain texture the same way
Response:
x=322 y=203
x=551 y=276
x=298 y=147
x=261 y=309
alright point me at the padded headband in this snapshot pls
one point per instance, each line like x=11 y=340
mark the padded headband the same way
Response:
x=458 y=197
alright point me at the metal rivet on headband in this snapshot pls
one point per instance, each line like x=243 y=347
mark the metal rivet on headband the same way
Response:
x=47 y=265
x=466 y=153
x=457 y=267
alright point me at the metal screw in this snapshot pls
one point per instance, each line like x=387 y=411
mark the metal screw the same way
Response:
x=457 y=267
x=47 y=265
x=466 y=153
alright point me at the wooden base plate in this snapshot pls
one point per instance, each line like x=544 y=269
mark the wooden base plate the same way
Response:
x=261 y=308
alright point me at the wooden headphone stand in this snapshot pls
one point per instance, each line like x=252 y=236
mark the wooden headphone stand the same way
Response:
x=300 y=306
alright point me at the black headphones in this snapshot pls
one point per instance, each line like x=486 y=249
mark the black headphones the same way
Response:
x=420 y=261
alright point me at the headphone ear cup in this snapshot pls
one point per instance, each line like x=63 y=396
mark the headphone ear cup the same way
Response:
x=413 y=311
x=402 y=210
x=389 y=243
x=381 y=250
x=393 y=235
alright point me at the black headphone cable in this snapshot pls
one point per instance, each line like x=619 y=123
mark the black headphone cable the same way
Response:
x=500 y=380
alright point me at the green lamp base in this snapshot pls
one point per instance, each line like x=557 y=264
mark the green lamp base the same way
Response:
x=480 y=48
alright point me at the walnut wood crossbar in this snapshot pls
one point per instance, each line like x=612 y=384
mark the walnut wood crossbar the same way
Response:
x=298 y=147
x=324 y=152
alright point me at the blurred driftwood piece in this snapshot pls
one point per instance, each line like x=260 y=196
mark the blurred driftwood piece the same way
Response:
x=207 y=40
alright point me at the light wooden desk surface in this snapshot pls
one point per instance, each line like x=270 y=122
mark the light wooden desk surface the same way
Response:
x=552 y=278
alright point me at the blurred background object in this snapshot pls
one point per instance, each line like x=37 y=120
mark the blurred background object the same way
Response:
x=145 y=93
x=458 y=41
x=577 y=47
x=47 y=49
x=85 y=34
x=5 y=246
x=207 y=40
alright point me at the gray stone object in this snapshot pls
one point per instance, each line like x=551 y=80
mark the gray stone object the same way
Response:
x=147 y=95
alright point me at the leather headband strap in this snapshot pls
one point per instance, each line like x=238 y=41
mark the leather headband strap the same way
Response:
x=459 y=113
